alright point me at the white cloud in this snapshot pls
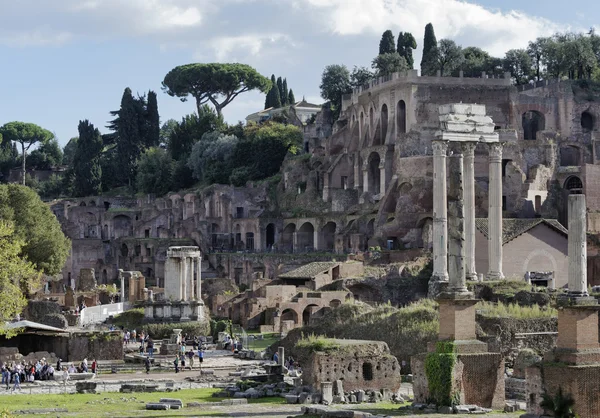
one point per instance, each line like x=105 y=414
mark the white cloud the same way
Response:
x=469 y=23
x=225 y=47
x=68 y=19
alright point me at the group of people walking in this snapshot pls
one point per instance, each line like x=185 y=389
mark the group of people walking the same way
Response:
x=16 y=373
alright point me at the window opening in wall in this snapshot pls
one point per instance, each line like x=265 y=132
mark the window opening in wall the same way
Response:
x=538 y=204
x=239 y=212
x=569 y=156
x=344 y=182
x=587 y=122
x=503 y=202
x=138 y=250
x=107 y=205
x=367 y=371
x=249 y=241
x=504 y=164
x=306 y=147
x=574 y=185
x=147 y=233
x=533 y=122
x=401 y=117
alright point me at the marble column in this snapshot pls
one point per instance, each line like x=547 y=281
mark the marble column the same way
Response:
x=382 y=178
x=185 y=278
x=440 y=217
x=199 y=278
x=122 y=288
x=468 y=149
x=577 y=245
x=495 y=212
x=181 y=278
x=456 y=230
x=365 y=180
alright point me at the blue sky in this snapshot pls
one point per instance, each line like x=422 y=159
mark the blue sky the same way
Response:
x=67 y=60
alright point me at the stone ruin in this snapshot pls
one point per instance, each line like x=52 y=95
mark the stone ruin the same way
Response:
x=360 y=364
x=87 y=280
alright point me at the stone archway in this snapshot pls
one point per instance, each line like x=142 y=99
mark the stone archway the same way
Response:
x=532 y=122
x=308 y=312
x=289 y=315
x=401 y=117
x=270 y=235
x=287 y=237
x=328 y=236
x=306 y=237
x=384 y=122
x=587 y=121
x=374 y=173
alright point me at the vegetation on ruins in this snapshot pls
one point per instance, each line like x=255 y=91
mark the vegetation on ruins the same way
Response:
x=27 y=135
x=406 y=44
x=43 y=242
x=514 y=310
x=335 y=82
x=273 y=98
x=314 y=342
x=560 y=405
x=439 y=368
x=429 y=58
x=213 y=82
x=389 y=63
x=47 y=155
x=16 y=272
x=387 y=44
x=86 y=161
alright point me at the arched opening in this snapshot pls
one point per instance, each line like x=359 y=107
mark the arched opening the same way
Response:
x=587 y=122
x=306 y=237
x=533 y=122
x=287 y=237
x=569 y=156
x=362 y=120
x=370 y=229
x=308 y=312
x=124 y=250
x=371 y=117
x=238 y=237
x=289 y=315
x=107 y=205
x=574 y=185
x=82 y=204
x=384 y=122
x=328 y=235
x=401 y=117
x=335 y=303
x=250 y=241
x=374 y=173
x=270 y=236
x=104 y=277
x=105 y=232
x=93 y=203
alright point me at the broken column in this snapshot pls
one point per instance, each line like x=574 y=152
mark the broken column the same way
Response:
x=574 y=365
x=440 y=221
x=495 y=213
x=280 y=356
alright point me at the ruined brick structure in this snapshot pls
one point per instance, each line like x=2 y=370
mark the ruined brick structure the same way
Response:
x=368 y=181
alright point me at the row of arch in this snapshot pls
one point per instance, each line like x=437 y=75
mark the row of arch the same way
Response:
x=533 y=121
x=309 y=312
x=376 y=135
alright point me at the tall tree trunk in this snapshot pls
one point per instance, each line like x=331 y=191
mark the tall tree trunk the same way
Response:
x=23 y=170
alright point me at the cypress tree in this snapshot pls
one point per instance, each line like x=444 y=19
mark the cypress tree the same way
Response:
x=280 y=88
x=430 y=52
x=86 y=161
x=285 y=100
x=387 y=45
x=153 y=120
x=406 y=44
x=128 y=136
x=291 y=98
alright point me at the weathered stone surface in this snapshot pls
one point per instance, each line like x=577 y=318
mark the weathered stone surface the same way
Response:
x=157 y=406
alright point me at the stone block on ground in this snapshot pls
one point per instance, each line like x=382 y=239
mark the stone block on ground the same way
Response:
x=172 y=401
x=338 y=388
x=291 y=399
x=240 y=401
x=158 y=406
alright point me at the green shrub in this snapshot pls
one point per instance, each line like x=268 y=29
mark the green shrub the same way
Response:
x=219 y=326
x=514 y=310
x=131 y=319
x=439 y=368
x=317 y=343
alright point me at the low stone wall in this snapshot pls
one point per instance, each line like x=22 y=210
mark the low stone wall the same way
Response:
x=101 y=346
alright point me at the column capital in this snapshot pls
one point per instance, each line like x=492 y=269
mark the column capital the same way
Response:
x=440 y=148
x=468 y=148
x=495 y=151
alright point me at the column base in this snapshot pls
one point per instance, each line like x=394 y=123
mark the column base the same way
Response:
x=440 y=277
x=472 y=277
x=494 y=275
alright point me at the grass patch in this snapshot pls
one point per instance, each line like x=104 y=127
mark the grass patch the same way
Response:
x=260 y=345
x=120 y=404
x=513 y=310
x=317 y=343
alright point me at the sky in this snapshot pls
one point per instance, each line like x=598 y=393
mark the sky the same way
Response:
x=62 y=61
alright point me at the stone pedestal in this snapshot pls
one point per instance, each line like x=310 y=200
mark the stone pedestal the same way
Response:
x=457 y=319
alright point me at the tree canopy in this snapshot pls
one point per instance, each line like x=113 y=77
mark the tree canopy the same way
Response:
x=387 y=45
x=449 y=55
x=406 y=44
x=46 y=156
x=429 y=64
x=44 y=243
x=389 y=63
x=86 y=162
x=26 y=134
x=335 y=82
x=216 y=83
x=155 y=172
x=16 y=272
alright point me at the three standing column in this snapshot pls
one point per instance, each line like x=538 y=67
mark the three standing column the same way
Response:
x=440 y=212
x=468 y=149
x=495 y=213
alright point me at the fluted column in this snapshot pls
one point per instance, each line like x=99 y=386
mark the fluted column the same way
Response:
x=468 y=149
x=185 y=278
x=495 y=213
x=577 y=245
x=198 y=278
x=440 y=215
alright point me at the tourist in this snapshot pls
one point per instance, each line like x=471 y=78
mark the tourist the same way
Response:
x=126 y=337
x=182 y=357
x=17 y=377
x=50 y=372
x=84 y=366
x=176 y=363
x=59 y=364
x=276 y=358
x=5 y=375
x=94 y=367
x=72 y=368
x=150 y=347
x=147 y=364
x=190 y=355
x=200 y=357
x=133 y=336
